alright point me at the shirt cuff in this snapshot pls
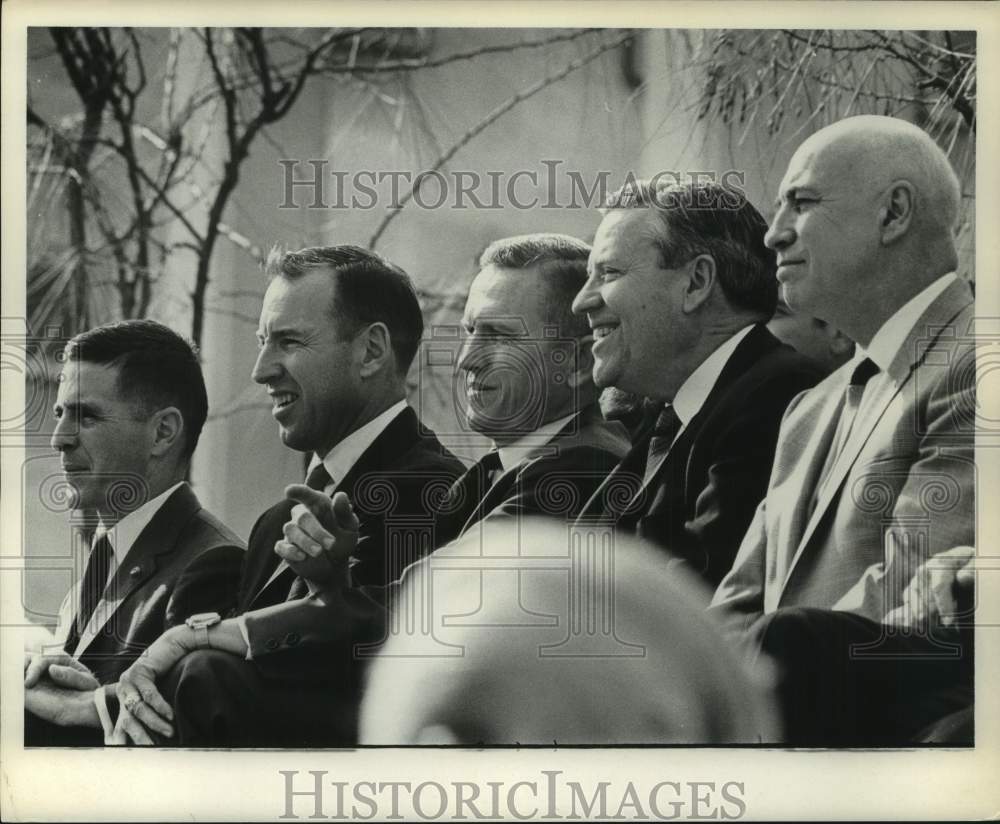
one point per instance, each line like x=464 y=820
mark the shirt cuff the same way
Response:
x=107 y=725
x=241 y=622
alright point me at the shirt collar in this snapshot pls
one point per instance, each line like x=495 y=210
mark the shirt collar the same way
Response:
x=891 y=336
x=695 y=390
x=339 y=460
x=513 y=453
x=123 y=534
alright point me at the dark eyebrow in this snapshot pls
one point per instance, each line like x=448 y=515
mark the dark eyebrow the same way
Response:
x=76 y=409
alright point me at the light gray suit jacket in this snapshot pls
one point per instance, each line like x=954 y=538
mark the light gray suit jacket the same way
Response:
x=902 y=490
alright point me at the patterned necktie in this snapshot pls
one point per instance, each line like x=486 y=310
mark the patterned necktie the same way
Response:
x=666 y=429
x=853 y=394
x=95 y=579
x=318 y=479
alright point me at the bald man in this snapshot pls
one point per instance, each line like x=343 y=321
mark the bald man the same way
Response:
x=874 y=471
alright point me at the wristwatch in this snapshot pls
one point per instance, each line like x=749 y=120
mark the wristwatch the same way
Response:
x=200 y=624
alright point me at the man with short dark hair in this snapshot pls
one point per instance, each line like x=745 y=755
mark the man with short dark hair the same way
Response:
x=130 y=408
x=680 y=288
x=526 y=366
x=338 y=330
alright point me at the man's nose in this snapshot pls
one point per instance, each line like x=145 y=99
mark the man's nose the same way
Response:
x=267 y=367
x=780 y=234
x=588 y=298
x=472 y=355
x=64 y=435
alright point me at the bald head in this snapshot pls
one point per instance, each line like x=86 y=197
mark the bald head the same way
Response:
x=877 y=151
x=865 y=220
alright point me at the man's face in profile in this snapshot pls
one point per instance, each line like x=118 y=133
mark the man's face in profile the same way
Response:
x=103 y=438
x=514 y=368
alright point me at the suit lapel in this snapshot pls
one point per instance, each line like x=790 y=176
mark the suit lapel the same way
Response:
x=867 y=419
x=888 y=385
x=141 y=561
x=396 y=439
x=757 y=342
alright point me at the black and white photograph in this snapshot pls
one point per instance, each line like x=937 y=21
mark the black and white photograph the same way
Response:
x=448 y=411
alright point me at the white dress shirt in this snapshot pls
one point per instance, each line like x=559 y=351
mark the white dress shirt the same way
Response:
x=122 y=536
x=341 y=459
x=889 y=339
x=693 y=393
x=338 y=462
x=524 y=447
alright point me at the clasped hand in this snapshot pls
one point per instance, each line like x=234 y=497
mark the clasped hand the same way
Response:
x=320 y=536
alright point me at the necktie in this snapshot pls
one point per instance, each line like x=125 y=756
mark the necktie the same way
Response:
x=95 y=579
x=465 y=494
x=853 y=394
x=664 y=431
x=318 y=479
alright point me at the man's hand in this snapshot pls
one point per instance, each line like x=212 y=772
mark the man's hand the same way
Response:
x=64 y=670
x=64 y=707
x=940 y=590
x=320 y=537
x=136 y=688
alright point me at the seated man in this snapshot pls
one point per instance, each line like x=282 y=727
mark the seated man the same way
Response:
x=130 y=407
x=339 y=328
x=874 y=473
x=680 y=287
x=542 y=441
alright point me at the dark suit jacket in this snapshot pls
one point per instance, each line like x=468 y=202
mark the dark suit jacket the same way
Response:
x=554 y=480
x=395 y=488
x=703 y=497
x=184 y=562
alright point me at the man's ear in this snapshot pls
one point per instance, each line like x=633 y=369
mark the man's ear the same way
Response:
x=701 y=281
x=168 y=430
x=376 y=349
x=897 y=212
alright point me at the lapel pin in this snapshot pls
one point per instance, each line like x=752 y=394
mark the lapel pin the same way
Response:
x=135 y=571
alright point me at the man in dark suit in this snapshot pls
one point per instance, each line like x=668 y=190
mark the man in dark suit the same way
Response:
x=338 y=331
x=874 y=477
x=130 y=408
x=526 y=368
x=680 y=287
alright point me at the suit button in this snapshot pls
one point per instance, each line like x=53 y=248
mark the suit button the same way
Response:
x=271 y=644
x=292 y=639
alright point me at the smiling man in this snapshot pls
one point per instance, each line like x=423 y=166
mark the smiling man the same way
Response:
x=526 y=369
x=129 y=410
x=339 y=328
x=680 y=286
x=875 y=470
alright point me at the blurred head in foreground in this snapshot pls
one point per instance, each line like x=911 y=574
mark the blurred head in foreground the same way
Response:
x=661 y=672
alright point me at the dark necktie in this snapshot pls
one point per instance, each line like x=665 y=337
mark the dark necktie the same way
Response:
x=95 y=579
x=853 y=394
x=318 y=479
x=465 y=494
x=664 y=431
